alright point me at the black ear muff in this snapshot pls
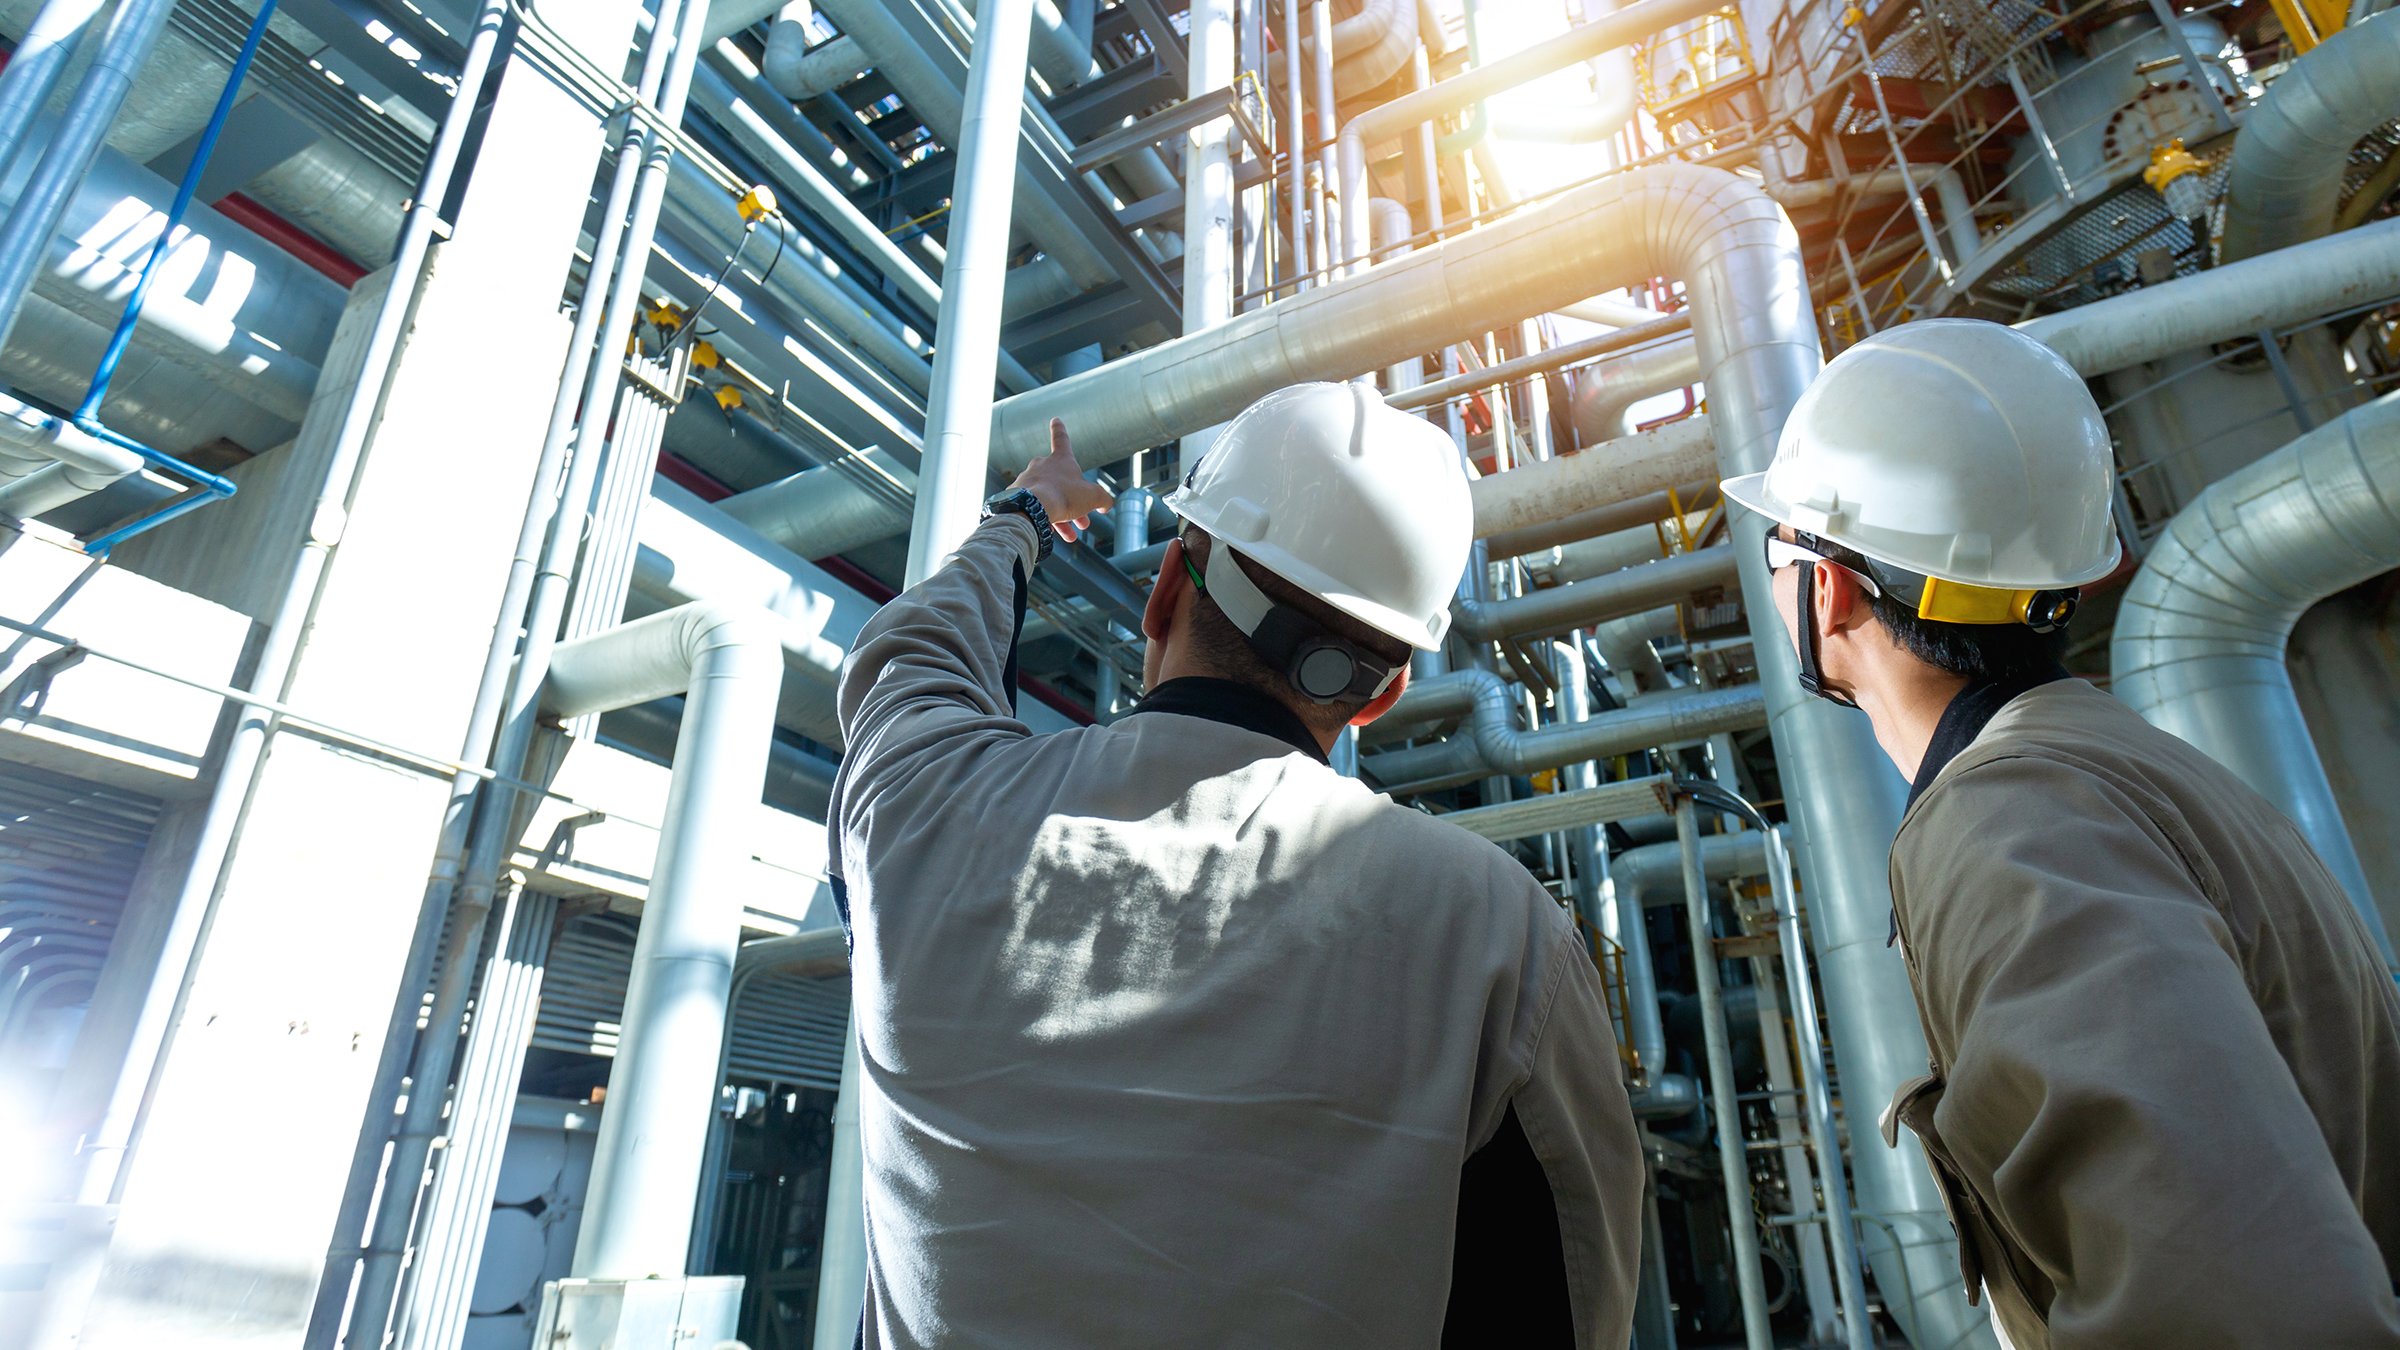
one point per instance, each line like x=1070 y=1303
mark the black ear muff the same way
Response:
x=1322 y=670
x=2049 y=611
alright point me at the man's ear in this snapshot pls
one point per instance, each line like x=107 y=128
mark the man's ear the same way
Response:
x=1158 y=616
x=1842 y=604
x=1383 y=701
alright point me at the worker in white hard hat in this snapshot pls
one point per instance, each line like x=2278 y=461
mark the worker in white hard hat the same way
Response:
x=1168 y=1033
x=2164 y=1105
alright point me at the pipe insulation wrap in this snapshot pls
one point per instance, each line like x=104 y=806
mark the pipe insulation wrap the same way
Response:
x=1603 y=393
x=1492 y=743
x=1582 y=604
x=46 y=462
x=1543 y=491
x=728 y=662
x=2276 y=290
x=1597 y=238
x=2285 y=181
x=2199 y=647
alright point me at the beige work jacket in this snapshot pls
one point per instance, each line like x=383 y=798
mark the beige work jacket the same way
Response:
x=2164 y=1104
x=1172 y=1036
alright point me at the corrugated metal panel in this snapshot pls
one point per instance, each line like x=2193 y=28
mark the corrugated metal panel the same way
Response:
x=786 y=1030
x=68 y=852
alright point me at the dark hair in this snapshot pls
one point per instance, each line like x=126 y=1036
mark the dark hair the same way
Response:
x=1978 y=651
x=1222 y=649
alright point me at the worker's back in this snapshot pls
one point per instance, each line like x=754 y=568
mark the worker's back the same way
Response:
x=2128 y=962
x=1174 y=1036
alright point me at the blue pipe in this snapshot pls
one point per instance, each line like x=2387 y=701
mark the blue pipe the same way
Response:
x=210 y=486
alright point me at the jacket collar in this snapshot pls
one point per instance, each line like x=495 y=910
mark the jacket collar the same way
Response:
x=1235 y=705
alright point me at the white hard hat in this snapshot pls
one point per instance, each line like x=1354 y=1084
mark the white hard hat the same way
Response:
x=1359 y=505
x=1954 y=449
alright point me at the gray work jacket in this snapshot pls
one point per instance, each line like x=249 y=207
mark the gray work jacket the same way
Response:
x=1172 y=1036
x=2165 y=1098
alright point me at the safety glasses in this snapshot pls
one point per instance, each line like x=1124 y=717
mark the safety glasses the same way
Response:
x=1782 y=553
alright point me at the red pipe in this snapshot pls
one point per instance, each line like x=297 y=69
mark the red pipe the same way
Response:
x=284 y=235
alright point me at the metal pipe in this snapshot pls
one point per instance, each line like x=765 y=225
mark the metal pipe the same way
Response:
x=104 y=1157
x=1583 y=603
x=1132 y=513
x=1733 y=1160
x=35 y=67
x=800 y=72
x=1643 y=510
x=1580 y=43
x=1849 y=1280
x=1631 y=466
x=1295 y=143
x=728 y=663
x=46 y=462
x=1651 y=876
x=1604 y=394
x=954 y=475
x=89 y=410
x=1548 y=359
x=2272 y=291
x=1493 y=744
x=25 y=235
x=1335 y=210
x=2199 y=646
x=2293 y=152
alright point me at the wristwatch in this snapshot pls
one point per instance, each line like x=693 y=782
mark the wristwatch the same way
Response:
x=1024 y=503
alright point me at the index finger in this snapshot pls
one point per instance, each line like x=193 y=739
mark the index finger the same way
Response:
x=1058 y=439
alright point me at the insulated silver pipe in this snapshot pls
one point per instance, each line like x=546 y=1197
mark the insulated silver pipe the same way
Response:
x=25 y=234
x=1295 y=143
x=2275 y=290
x=955 y=472
x=2199 y=646
x=1606 y=392
x=1493 y=744
x=1583 y=603
x=728 y=663
x=1733 y=1159
x=2293 y=153
x=35 y=66
x=46 y=461
x=1334 y=209
x=1652 y=876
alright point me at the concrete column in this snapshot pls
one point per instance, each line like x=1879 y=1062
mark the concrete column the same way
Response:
x=228 y=1202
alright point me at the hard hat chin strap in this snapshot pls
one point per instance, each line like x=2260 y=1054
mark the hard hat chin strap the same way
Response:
x=1323 y=667
x=1812 y=674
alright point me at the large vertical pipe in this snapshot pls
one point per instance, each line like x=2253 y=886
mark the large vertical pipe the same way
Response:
x=1733 y=1158
x=1208 y=189
x=25 y=236
x=1330 y=235
x=1132 y=516
x=663 y=1087
x=966 y=344
x=35 y=66
x=1295 y=144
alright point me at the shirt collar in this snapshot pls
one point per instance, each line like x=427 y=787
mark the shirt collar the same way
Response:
x=1970 y=711
x=1235 y=705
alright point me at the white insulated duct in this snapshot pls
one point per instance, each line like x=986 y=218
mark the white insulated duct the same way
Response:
x=2285 y=181
x=46 y=462
x=820 y=512
x=2199 y=642
x=728 y=663
x=800 y=72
